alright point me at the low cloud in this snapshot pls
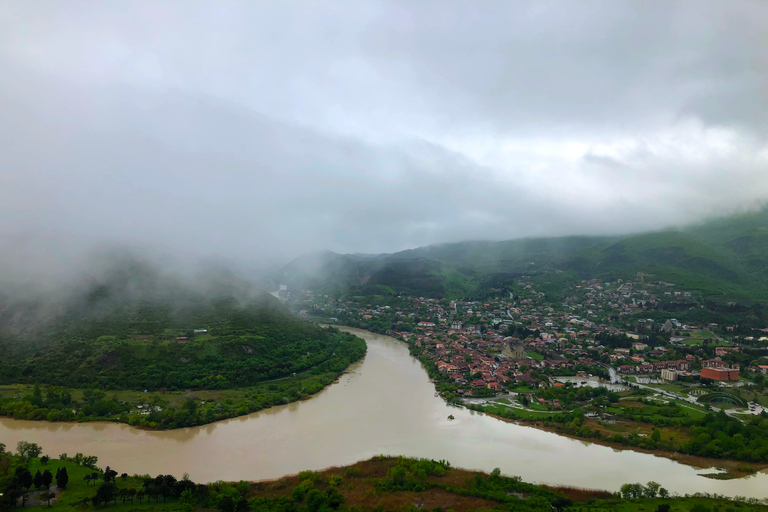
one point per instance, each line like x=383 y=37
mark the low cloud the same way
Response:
x=259 y=132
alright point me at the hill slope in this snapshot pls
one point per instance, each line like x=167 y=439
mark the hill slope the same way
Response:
x=724 y=259
x=134 y=328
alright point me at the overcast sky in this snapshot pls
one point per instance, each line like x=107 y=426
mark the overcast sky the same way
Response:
x=267 y=129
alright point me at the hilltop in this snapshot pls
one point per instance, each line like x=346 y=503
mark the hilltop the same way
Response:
x=723 y=260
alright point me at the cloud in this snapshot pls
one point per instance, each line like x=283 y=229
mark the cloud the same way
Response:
x=261 y=131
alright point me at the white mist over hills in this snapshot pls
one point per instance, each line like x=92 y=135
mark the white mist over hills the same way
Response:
x=254 y=133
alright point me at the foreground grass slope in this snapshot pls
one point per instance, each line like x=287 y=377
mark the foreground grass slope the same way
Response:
x=381 y=483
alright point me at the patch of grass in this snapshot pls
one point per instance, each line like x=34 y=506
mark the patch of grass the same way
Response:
x=513 y=412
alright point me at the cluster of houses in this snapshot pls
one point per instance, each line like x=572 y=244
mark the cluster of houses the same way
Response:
x=468 y=340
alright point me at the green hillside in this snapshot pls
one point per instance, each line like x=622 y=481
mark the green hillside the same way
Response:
x=122 y=340
x=723 y=260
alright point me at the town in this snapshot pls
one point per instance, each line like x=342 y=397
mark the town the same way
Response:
x=607 y=355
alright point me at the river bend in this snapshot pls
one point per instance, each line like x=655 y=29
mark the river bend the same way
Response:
x=385 y=404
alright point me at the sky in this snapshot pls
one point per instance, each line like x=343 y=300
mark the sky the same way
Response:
x=259 y=131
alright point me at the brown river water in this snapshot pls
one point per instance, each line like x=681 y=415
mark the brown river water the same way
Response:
x=383 y=405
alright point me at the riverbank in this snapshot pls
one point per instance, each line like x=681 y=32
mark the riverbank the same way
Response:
x=730 y=468
x=378 y=483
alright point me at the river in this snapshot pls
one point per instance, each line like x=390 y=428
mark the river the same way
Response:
x=383 y=405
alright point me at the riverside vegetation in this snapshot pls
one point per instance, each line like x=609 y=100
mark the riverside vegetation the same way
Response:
x=381 y=483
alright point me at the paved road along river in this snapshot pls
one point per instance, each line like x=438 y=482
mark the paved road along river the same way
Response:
x=385 y=404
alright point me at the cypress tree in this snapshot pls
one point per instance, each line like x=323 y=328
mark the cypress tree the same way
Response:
x=62 y=478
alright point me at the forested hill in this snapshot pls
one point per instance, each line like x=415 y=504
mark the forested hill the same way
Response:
x=724 y=260
x=133 y=327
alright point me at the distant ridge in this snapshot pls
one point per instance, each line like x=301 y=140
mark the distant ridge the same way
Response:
x=725 y=259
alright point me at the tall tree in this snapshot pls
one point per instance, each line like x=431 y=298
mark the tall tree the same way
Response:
x=38 y=480
x=62 y=479
x=47 y=478
x=23 y=478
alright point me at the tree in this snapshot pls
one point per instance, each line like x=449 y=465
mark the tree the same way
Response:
x=2 y=448
x=109 y=475
x=47 y=478
x=632 y=491
x=652 y=489
x=5 y=465
x=656 y=435
x=105 y=493
x=38 y=480
x=23 y=478
x=226 y=504
x=242 y=505
x=47 y=496
x=62 y=479
x=27 y=450
x=44 y=460
x=335 y=498
x=298 y=493
x=315 y=500
x=561 y=502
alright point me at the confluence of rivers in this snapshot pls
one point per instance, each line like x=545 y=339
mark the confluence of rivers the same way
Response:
x=383 y=405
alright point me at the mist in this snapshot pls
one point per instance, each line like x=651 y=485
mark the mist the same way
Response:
x=244 y=135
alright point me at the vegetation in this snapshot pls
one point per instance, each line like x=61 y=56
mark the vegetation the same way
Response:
x=378 y=484
x=114 y=354
x=723 y=260
x=672 y=427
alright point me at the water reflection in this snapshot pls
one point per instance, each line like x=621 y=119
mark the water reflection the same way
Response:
x=385 y=405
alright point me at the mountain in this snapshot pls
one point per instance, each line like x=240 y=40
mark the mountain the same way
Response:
x=121 y=294
x=723 y=259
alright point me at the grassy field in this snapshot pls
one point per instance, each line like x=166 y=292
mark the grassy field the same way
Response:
x=78 y=488
x=534 y=355
x=502 y=410
x=699 y=337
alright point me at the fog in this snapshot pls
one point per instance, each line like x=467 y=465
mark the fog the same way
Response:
x=248 y=133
